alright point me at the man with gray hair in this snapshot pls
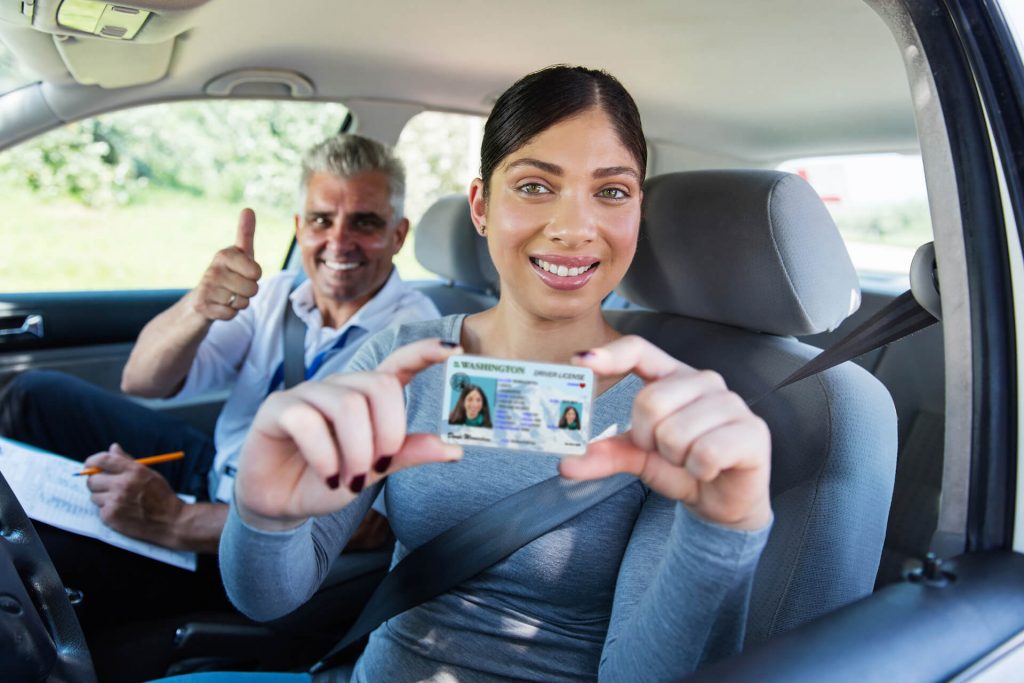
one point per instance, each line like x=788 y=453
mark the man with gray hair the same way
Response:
x=227 y=333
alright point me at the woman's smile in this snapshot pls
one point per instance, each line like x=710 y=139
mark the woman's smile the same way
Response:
x=564 y=272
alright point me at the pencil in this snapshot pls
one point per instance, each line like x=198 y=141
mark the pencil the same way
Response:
x=151 y=460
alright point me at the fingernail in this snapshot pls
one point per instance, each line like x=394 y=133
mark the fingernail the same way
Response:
x=334 y=481
x=583 y=354
x=357 y=483
x=448 y=344
x=382 y=464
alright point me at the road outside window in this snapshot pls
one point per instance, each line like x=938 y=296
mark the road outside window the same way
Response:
x=143 y=198
x=880 y=205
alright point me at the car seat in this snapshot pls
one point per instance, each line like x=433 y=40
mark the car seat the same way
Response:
x=734 y=265
x=447 y=244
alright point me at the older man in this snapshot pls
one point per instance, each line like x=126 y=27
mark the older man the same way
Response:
x=227 y=332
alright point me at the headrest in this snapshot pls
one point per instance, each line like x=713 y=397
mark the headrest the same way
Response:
x=447 y=244
x=752 y=249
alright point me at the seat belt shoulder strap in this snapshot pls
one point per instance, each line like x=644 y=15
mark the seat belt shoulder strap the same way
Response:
x=476 y=543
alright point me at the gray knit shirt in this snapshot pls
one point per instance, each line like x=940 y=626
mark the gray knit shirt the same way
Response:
x=635 y=588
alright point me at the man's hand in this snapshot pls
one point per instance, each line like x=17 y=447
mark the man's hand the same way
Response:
x=134 y=499
x=230 y=280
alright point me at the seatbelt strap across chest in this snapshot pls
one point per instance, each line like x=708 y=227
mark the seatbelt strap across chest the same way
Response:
x=497 y=531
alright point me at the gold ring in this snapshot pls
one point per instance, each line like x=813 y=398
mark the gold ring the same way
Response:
x=231 y=301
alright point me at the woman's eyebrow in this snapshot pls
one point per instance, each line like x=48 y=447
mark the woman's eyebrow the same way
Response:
x=616 y=170
x=555 y=169
x=536 y=163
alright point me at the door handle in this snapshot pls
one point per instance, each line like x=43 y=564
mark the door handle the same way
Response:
x=32 y=324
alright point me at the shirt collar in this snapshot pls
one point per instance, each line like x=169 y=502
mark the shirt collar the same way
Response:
x=374 y=315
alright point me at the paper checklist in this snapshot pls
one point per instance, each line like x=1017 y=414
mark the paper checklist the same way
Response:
x=46 y=486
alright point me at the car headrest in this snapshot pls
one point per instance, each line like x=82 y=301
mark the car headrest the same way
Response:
x=447 y=244
x=748 y=248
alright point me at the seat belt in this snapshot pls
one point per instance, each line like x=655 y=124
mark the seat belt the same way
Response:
x=294 y=340
x=497 y=531
x=292 y=369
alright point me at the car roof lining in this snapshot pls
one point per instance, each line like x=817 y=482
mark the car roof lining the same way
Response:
x=743 y=79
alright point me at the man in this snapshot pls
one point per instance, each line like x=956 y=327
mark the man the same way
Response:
x=227 y=332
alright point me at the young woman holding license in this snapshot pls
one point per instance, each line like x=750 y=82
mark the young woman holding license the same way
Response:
x=647 y=585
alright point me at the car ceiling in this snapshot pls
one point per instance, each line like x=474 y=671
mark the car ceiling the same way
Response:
x=758 y=81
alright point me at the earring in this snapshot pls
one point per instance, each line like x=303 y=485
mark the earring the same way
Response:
x=483 y=230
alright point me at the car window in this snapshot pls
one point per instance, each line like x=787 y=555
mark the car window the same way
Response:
x=12 y=76
x=143 y=198
x=441 y=153
x=880 y=205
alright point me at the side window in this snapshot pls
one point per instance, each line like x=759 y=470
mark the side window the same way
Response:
x=880 y=204
x=441 y=153
x=143 y=198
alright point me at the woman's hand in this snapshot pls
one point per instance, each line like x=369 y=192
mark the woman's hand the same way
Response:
x=313 y=448
x=691 y=438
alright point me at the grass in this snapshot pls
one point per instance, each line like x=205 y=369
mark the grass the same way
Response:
x=165 y=241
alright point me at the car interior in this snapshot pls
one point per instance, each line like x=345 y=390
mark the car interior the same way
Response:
x=899 y=513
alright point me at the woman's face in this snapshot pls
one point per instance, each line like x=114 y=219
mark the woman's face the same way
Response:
x=570 y=415
x=473 y=404
x=562 y=217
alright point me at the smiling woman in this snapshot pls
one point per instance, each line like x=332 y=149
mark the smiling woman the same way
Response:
x=566 y=192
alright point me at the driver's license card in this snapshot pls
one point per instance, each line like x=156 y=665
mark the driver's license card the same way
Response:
x=516 y=405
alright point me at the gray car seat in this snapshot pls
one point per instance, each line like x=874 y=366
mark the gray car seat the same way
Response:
x=447 y=244
x=733 y=265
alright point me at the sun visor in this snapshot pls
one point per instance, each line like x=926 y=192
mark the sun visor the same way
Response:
x=112 y=45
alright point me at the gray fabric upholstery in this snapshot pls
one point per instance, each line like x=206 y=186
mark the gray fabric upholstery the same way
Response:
x=447 y=244
x=833 y=464
x=756 y=249
x=726 y=256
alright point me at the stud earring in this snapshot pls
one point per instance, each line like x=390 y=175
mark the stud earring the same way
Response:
x=483 y=230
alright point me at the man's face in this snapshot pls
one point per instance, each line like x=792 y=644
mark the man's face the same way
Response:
x=347 y=236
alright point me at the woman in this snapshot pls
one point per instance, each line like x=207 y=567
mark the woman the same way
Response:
x=471 y=408
x=570 y=419
x=648 y=584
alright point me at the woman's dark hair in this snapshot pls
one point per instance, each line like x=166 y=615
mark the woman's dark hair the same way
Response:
x=458 y=414
x=564 y=421
x=539 y=100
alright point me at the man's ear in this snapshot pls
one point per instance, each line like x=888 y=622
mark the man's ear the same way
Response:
x=478 y=206
x=298 y=224
x=401 y=232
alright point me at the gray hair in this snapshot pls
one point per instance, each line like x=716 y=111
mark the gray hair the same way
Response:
x=346 y=155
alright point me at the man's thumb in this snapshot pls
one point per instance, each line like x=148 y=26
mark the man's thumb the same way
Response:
x=246 y=232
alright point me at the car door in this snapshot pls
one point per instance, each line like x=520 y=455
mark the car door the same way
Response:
x=961 y=617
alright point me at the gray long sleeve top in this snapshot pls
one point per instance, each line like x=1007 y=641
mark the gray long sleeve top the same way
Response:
x=635 y=588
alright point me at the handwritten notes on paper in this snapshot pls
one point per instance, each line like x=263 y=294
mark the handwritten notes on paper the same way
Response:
x=46 y=486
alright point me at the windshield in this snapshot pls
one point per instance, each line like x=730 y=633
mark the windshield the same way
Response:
x=12 y=76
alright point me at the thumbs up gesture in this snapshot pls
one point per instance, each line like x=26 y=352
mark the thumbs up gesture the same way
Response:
x=230 y=280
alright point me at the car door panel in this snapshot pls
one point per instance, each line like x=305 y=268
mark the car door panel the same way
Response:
x=925 y=630
x=89 y=335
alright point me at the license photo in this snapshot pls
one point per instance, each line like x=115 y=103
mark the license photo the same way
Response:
x=496 y=403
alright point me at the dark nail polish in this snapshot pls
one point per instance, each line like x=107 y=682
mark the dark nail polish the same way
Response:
x=357 y=483
x=448 y=344
x=382 y=465
x=334 y=481
x=583 y=354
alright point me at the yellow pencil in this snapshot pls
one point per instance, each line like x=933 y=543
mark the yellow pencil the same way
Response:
x=151 y=460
